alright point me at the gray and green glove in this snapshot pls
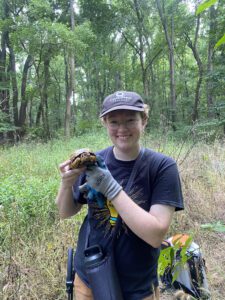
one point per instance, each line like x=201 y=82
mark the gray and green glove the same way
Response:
x=99 y=178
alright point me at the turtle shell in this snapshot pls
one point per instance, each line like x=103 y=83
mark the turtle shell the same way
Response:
x=81 y=158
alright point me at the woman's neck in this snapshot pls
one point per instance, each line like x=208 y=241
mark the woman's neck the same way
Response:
x=131 y=155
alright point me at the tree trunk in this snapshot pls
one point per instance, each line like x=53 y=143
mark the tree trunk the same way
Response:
x=4 y=77
x=39 y=114
x=68 y=97
x=43 y=83
x=169 y=40
x=118 y=81
x=209 y=82
x=70 y=91
x=24 y=100
x=141 y=48
x=193 y=47
x=13 y=81
x=40 y=107
x=45 y=96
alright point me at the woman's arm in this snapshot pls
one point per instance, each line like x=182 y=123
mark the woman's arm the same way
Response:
x=64 y=200
x=150 y=226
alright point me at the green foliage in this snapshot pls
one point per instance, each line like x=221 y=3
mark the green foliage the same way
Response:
x=217 y=227
x=101 y=15
x=209 y=130
x=5 y=125
x=206 y=4
x=83 y=38
x=202 y=7
x=116 y=45
x=220 y=42
x=29 y=179
x=27 y=187
x=6 y=24
x=34 y=242
x=39 y=9
x=86 y=117
x=35 y=133
x=167 y=258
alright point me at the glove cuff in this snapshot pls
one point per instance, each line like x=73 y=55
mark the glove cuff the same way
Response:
x=113 y=191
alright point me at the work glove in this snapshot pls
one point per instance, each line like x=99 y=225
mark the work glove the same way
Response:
x=100 y=179
x=92 y=195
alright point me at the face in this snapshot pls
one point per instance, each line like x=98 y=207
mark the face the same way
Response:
x=125 y=128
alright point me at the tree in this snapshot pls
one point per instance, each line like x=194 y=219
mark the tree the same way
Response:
x=193 y=46
x=155 y=47
x=211 y=43
x=24 y=99
x=70 y=68
x=138 y=30
x=4 y=69
x=169 y=35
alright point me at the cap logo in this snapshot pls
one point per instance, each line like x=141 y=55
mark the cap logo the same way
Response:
x=120 y=96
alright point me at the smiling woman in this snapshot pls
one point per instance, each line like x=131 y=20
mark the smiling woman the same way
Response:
x=139 y=187
x=124 y=128
x=125 y=116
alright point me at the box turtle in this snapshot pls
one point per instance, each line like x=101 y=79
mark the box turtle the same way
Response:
x=81 y=158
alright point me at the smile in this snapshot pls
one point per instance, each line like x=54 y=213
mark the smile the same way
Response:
x=123 y=137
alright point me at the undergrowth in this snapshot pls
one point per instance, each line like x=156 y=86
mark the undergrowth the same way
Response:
x=34 y=241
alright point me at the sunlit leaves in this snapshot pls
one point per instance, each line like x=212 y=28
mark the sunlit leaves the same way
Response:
x=39 y=9
x=203 y=6
x=168 y=258
x=220 y=42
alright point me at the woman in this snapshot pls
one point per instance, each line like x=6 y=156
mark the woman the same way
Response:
x=146 y=209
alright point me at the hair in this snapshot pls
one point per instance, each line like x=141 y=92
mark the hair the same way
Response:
x=145 y=113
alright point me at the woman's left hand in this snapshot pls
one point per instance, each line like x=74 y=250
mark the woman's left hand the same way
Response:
x=99 y=178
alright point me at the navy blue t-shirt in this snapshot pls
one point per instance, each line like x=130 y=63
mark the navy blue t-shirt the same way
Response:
x=156 y=182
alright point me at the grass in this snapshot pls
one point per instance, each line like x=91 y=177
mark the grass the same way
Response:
x=34 y=241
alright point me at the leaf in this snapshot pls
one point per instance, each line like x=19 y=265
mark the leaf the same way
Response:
x=203 y=6
x=220 y=42
x=165 y=260
x=176 y=273
x=218 y=227
x=50 y=246
x=3 y=224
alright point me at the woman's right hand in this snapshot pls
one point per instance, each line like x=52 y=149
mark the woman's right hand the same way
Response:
x=68 y=177
x=64 y=199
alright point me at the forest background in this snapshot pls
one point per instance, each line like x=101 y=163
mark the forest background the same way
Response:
x=58 y=60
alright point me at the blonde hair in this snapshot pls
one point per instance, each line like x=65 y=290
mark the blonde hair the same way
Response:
x=145 y=113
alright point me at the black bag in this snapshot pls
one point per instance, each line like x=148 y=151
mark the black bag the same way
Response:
x=102 y=274
x=100 y=268
x=191 y=276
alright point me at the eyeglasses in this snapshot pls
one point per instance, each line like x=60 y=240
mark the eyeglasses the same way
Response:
x=129 y=124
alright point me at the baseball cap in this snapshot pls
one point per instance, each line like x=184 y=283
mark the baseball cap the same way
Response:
x=122 y=100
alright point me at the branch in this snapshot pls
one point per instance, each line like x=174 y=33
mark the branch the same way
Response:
x=131 y=44
x=153 y=58
x=197 y=30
